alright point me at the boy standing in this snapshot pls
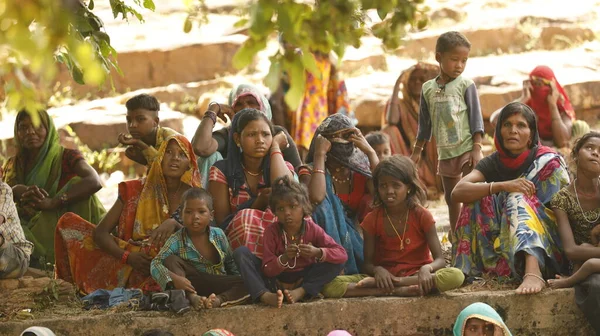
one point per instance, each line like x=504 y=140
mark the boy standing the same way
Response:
x=14 y=248
x=450 y=111
x=145 y=135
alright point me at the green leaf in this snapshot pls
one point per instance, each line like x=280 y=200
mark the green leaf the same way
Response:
x=91 y=5
x=382 y=12
x=293 y=97
x=242 y=23
x=243 y=57
x=309 y=63
x=187 y=25
x=273 y=78
x=149 y=4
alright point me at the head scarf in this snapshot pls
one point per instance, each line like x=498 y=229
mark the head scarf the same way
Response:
x=47 y=169
x=232 y=166
x=481 y=311
x=218 y=332
x=413 y=104
x=243 y=90
x=345 y=153
x=539 y=102
x=510 y=166
x=153 y=204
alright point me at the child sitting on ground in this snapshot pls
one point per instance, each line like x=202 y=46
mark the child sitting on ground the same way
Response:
x=400 y=238
x=380 y=143
x=450 y=111
x=299 y=257
x=145 y=135
x=14 y=248
x=198 y=258
x=589 y=267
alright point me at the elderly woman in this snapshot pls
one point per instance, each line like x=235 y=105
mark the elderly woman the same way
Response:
x=213 y=146
x=402 y=120
x=117 y=253
x=555 y=115
x=48 y=180
x=241 y=184
x=505 y=227
x=338 y=176
x=480 y=319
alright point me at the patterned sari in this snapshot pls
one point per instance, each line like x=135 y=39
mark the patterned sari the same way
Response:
x=52 y=171
x=145 y=206
x=490 y=232
x=403 y=135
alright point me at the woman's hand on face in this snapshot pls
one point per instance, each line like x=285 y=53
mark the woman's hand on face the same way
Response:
x=526 y=93
x=359 y=140
x=163 y=232
x=281 y=140
x=140 y=262
x=322 y=145
x=127 y=140
x=426 y=279
x=224 y=110
x=521 y=185
x=554 y=95
x=384 y=279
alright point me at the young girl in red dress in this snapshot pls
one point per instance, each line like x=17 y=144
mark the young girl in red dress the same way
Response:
x=403 y=254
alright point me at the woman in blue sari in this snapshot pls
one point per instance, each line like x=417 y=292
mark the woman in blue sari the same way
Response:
x=505 y=227
x=338 y=176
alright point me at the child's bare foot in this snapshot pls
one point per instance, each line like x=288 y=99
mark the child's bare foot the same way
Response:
x=532 y=284
x=196 y=301
x=273 y=299
x=367 y=282
x=212 y=302
x=407 y=291
x=294 y=295
x=559 y=282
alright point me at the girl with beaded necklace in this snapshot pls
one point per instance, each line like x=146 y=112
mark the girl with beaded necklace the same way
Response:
x=299 y=258
x=400 y=237
x=577 y=211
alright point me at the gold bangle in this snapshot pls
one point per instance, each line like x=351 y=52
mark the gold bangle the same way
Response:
x=420 y=147
x=478 y=144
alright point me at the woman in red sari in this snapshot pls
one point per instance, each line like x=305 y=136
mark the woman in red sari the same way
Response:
x=143 y=217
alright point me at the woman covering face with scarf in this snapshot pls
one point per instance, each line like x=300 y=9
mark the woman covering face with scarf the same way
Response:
x=338 y=176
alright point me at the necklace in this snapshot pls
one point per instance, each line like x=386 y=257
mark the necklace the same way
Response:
x=251 y=173
x=344 y=180
x=285 y=240
x=396 y=231
x=169 y=195
x=592 y=221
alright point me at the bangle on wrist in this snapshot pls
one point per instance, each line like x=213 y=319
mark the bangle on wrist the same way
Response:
x=419 y=147
x=281 y=262
x=124 y=257
x=211 y=115
x=276 y=152
x=491 y=187
x=478 y=144
x=215 y=103
x=64 y=198
x=318 y=171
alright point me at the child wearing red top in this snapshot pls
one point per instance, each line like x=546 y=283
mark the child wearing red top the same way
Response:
x=400 y=239
x=298 y=256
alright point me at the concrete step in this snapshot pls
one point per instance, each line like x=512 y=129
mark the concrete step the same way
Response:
x=551 y=313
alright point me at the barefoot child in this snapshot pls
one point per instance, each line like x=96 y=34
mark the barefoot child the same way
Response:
x=145 y=136
x=198 y=258
x=380 y=143
x=400 y=237
x=577 y=211
x=450 y=112
x=299 y=257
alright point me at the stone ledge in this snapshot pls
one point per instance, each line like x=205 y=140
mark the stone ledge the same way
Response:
x=552 y=312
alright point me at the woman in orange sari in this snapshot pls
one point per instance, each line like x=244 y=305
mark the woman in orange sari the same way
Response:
x=402 y=120
x=143 y=217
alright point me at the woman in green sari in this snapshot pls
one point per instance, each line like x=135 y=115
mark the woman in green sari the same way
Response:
x=47 y=181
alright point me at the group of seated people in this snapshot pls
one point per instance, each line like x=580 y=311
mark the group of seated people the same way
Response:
x=236 y=215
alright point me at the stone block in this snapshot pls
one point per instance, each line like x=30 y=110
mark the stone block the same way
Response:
x=8 y=284
x=561 y=37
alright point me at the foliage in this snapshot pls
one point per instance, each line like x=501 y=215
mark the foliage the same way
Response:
x=103 y=161
x=35 y=34
x=324 y=26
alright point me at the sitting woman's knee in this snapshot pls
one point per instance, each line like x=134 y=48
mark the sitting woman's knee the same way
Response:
x=448 y=278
